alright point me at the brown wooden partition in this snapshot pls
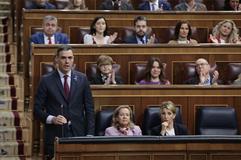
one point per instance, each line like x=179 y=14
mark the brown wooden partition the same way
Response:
x=69 y=21
x=127 y=55
x=149 y=148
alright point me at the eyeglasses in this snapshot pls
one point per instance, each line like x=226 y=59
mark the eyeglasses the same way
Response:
x=201 y=64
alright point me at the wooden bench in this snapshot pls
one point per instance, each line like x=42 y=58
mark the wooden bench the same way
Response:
x=149 y=148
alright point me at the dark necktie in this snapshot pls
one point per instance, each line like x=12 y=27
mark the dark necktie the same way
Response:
x=66 y=86
x=152 y=7
x=142 y=40
x=116 y=5
x=49 y=38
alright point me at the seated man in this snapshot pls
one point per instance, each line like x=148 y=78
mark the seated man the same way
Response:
x=49 y=34
x=116 y=5
x=155 y=5
x=190 y=5
x=204 y=76
x=39 y=4
x=140 y=35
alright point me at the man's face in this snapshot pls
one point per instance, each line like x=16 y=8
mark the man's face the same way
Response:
x=41 y=2
x=105 y=69
x=50 y=27
x=202 y=66
x=65 y=61
x=152 y=1
x=140 y=28
x=188 y=1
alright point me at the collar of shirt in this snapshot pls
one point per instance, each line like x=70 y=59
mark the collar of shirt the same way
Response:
x=191 y=8
x=156 y=4
x=62 y=77
x=170 y=132
x=103 y=77
x=207 y=81
x=46 y=39
x=139 y=41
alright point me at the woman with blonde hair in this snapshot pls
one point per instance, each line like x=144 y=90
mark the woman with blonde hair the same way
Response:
x=168 y=126
x=225 y=32
x=122 y=123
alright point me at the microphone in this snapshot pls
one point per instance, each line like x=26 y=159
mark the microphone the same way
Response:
x=62 y=113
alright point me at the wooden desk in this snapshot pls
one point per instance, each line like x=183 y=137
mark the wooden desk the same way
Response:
x=149 y=148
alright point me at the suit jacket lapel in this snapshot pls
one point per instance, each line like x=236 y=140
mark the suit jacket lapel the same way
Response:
x=41 y=38
x=56 y=39
x=59 y=84
x=73 y=86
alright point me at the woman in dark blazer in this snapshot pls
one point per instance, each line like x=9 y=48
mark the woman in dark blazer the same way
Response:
x=105 y=73
x=168 y=127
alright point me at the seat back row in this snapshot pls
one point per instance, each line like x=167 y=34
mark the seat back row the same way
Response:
x=216 y=120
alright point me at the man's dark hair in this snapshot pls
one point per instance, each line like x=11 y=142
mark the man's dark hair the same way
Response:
x=63 y=48
x=139 y=18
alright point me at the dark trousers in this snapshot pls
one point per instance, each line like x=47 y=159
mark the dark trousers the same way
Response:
x=67 y=131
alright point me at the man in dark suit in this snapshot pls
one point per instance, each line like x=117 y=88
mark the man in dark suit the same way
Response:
x=155 y=5
x=40 y=4
x=49 y=34
x=63 y=102
x=204 y=75
x=116 y=5
x=140 y=35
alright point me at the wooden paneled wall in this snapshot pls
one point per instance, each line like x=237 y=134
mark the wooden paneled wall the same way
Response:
x=125 y=55
x=69 y=21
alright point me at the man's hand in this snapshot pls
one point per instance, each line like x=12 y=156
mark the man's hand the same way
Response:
x=59 y=120
x=202 y=78
x=215 y=77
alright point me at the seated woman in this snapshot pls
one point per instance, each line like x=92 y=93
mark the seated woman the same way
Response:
x=168 y=127
x=183 y=33
x=122 y=124
x=76 y=5
x=105 y=73
x=98 y=33
x=225 y=32
x=232 y=5
x=154 y=72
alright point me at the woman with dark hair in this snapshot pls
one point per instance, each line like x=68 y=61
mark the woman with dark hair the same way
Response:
x=122 y=123
x=98 y=32
x=155 y=72
x=183 y=33
x=232 y=5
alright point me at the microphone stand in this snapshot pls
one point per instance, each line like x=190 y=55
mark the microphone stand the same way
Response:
x=62 y=113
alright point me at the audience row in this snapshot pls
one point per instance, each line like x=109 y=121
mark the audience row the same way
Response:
x=225 y=31
x=122 y=122
x=154 y=73
x=151 y=5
